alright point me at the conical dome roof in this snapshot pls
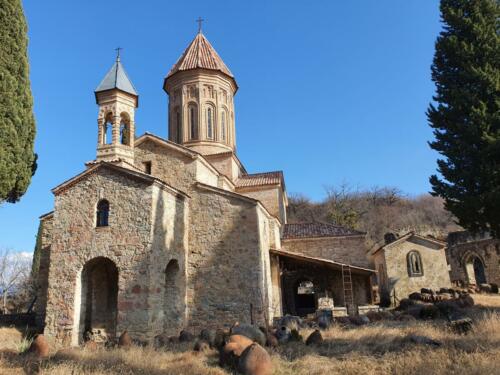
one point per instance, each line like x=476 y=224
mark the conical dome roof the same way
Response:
x=117 y=78
x=200 y=54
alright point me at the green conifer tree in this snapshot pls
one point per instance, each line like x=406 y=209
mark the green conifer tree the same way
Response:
x=465 y=114
x=17 y=123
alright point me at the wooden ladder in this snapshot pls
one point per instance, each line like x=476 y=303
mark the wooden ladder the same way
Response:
x=347 y=285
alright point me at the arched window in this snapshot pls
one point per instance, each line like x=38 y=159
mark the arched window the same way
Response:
x=223 y=126
x=124 y=129
x=108 y=129
x=210 y=123
x=102 y=213
x=178 y=126
x=193 y=121
x=414 y=264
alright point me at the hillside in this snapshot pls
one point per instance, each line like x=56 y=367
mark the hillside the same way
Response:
x=375 y=211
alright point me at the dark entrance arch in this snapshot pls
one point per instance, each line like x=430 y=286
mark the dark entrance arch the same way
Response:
x=99 y=295
x=474 y=268
x=479 y=271
x=305 y=301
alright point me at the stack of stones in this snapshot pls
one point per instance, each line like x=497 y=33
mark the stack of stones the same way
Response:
x=429 y=304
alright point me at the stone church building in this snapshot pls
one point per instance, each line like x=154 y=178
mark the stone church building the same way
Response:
x=156 y=235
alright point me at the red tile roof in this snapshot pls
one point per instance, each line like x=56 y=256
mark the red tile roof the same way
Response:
x=314 y=230
x=259 y=179
x=200 y=54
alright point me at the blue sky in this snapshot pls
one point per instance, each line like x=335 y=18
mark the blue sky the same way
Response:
x=330 y=91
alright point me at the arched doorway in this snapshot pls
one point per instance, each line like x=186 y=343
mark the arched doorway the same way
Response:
x=474 y=268
x=172 y=306
x=305 y=301
x=98 y=298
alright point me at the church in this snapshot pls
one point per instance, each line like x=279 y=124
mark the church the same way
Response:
x=160 y=234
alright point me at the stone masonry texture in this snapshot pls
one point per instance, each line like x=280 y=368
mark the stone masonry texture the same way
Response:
x=392 y=264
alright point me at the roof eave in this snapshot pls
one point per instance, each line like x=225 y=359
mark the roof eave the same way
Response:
x=170 y=75
x=96 y=92
x=325 y=262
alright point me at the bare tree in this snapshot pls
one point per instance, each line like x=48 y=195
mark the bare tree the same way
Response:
x=376 y=211
x=14 y=276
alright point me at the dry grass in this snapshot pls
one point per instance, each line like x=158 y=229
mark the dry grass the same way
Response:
x=382 y=348
x=487 y=300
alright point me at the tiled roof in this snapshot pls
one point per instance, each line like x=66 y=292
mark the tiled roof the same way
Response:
x=200 y=54
x=312 y=230
x=117 y=78
x=259 y=179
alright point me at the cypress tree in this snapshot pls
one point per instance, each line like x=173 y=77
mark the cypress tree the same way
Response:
x=465 y=114
x=17 y=123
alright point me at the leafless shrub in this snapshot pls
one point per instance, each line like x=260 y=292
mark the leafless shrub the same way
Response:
x=15 y=284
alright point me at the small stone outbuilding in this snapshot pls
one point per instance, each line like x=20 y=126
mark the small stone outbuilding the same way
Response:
x=409 y=263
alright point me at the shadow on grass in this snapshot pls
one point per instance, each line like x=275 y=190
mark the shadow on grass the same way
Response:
x=384 y=337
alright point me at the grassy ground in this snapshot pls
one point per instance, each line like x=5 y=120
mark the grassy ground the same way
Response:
x=377 y=348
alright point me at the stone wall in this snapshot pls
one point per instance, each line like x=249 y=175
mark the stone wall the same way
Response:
x=349 y=250
x=265 y=236
x=397 y=279
x=225 y=164
x=168 y=261
x=43 y=271
x=276 y=303
x=126 y=242
x=487 y=250
x=225 y=274
x=175 y=168
x=270 y=197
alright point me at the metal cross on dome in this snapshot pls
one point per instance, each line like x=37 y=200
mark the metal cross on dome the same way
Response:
x=118 y=49
x=200 y=21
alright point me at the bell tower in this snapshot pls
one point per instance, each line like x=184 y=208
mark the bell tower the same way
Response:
x=201 y=89
x=117 y=100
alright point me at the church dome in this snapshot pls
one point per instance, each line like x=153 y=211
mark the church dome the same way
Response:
x=200 y=55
